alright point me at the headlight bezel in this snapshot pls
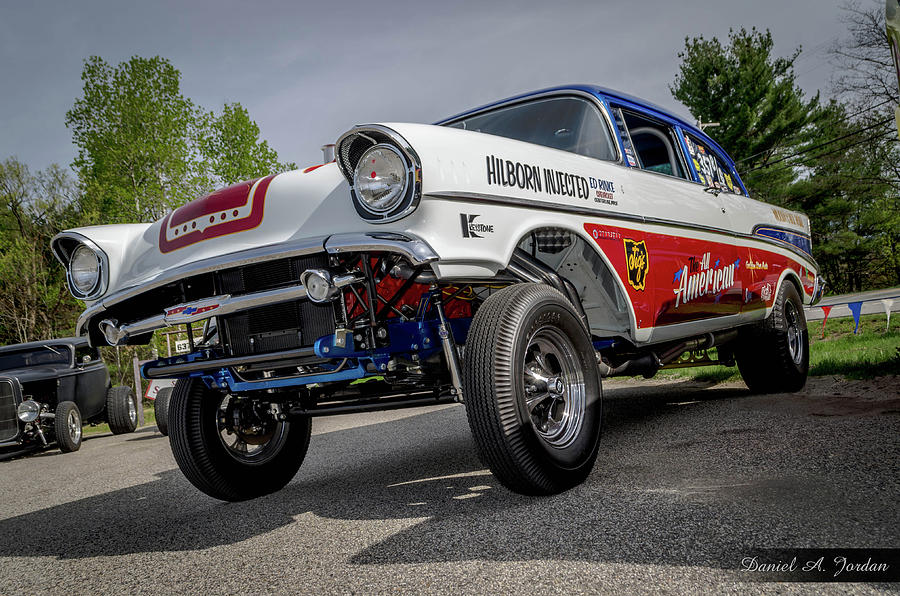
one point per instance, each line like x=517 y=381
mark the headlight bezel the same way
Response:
x=82 y=251
x=398 y=194
x=30 y=408
x=64 y=247
x=352 y=145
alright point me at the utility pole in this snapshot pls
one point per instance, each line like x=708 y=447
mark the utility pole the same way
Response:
x=704 y=125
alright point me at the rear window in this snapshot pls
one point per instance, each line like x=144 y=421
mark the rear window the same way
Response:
x=566 y=123
x=711 y=170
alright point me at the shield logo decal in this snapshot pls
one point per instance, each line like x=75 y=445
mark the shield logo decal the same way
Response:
x=637 y=263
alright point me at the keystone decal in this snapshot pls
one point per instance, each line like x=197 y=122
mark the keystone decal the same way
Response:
x=637 y=262
x=470 y=229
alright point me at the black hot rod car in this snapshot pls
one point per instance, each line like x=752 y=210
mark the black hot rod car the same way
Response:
x=48 y=389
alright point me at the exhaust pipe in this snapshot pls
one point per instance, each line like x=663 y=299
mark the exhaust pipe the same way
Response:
x=649 y=364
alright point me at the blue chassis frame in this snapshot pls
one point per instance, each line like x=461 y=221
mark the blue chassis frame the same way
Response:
x=418 y=337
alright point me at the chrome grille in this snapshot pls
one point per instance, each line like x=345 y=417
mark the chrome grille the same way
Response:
x=9 y=424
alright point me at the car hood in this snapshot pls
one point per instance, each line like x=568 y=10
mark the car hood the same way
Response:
x=313 y=202
x=32 y=373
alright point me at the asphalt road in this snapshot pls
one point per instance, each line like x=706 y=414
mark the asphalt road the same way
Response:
x=689 y=480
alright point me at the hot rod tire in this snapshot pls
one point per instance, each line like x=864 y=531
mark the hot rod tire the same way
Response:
x=200 y=444
x=121 y=410
x=773 y=356
x=161 y=410
x=67 y=426
x=531 y=390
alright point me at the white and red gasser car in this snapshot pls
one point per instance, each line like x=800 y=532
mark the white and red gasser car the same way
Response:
x=507 y=258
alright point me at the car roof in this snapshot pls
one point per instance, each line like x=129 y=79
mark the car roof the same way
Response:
x=76 y=342
x=606 y=93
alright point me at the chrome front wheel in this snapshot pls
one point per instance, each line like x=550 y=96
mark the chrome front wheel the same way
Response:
x=555 y=393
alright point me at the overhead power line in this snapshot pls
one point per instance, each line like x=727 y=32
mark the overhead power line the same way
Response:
x=874 y=137
x=825 y=144
x=854 y=115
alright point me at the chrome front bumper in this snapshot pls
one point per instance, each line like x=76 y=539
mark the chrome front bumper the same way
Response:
x=414 y=249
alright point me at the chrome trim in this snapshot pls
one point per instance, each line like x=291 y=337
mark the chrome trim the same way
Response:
x=408 y=177
x=235 y=259
x=228 y=305
x=64 y=256
x=475 y=197
x=416 y=250
x=818 y=290
x=15 y=390
x=414 y=165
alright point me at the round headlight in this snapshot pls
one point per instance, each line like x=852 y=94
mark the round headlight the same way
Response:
x=28 y=410
x=84 y=269
x=380 y=179
x=318 y=285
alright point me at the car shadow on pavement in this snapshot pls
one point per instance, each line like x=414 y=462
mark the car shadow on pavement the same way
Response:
x=640 y=505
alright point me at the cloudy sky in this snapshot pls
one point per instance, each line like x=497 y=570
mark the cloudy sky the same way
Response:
x=307 y=71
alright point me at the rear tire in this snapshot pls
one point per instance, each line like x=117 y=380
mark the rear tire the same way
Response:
x=251 y=466
x=121 y=410
x=67 y=426
x=532 y=390
x=161 y=410
x=773 y=356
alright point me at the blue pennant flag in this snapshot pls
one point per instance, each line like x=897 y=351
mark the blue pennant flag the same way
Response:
x=856 y=309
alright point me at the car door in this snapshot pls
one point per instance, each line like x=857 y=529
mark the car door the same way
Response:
x=692 y=267
x=92 y=381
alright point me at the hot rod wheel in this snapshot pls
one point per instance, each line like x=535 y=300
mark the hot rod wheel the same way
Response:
x=121 y=410
x=161 y=409
x=67 y=426
x=227 y=462
x=773 y=355
x=532 y=391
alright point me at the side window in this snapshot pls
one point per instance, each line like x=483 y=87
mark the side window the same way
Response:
x=711 y=170
x=567 y=123
x=655 y=145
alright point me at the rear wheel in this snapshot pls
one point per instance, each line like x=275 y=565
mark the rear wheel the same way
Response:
x=67 y=426
x=773 y=356
x=121 y=410
x=233 y=448
x=532 y=391
x=161 y=410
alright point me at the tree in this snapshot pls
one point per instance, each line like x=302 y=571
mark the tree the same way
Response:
x=34 y=298
x=864 y=72
x=132 y=128
x=231 y=148
x=762 y=113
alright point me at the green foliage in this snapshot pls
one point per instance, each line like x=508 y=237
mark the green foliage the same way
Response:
x=144 y=148
x=232 y=149
x=132 y=127
x=34 y=300
x=761 y=111
x=832 y=161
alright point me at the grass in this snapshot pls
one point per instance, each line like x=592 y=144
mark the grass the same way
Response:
x=871 y=353
x=149 y=420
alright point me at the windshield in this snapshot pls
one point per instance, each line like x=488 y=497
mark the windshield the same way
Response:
x=567 y=123
x=35 y=356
